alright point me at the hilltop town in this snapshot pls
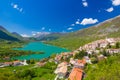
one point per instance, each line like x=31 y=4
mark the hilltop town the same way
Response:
x=91 y=53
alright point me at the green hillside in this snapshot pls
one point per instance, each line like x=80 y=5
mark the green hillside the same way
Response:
x=15 y=34
x=5 y=35
x=109 y=28
x=105 y=70
x=51 y=36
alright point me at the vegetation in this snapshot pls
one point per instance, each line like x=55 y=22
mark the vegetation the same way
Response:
x=118 y=45
x=104 y=70
x=28 y=72
x=6 y=50
x=4 y=34
x=80 y=55
x=73 y=40
x=107 y=69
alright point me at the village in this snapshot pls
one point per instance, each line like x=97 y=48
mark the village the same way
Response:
x=74 y=68
x=70 y=65
x=13 y=63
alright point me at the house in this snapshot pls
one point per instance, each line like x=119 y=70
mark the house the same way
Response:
x=72 y=61
x=61 y=70
x=101 y=57
x=24 y=62
x=87 y=59
x=7 y=64
x=58 y=58
x=90 y=46
x=1 y=65
x=89 y=52
x=102 y=43
x=97 y=51
x=17 y=63
x=111 y=51
x=111 y=41
x=78 y=63
x=76 y=74
x=65 y=55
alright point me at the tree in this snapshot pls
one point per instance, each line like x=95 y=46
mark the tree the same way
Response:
x=32 y=61
x=105 y=53
x=118 y=45
x=80 y=55
x=94 y=60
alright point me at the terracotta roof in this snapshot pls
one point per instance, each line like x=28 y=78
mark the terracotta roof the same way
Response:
x=76 y=74
x=16 y=61
x=8 y=63
x=82 y=61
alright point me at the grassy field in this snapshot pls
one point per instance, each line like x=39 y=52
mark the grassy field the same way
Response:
x=29 y=72
x=105 y=70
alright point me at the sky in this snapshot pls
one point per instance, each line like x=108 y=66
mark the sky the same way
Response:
x=28 y=17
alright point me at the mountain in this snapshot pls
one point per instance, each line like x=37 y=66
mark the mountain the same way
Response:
x=50 y=36
x=40 y=35
x=3 y=29
x=17 y=35
x=72 y=41
x=5 y=35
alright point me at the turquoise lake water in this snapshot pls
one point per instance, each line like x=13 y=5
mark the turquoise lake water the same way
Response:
x=39 y=46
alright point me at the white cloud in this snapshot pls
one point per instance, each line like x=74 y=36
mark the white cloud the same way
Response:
x=15 y=6
x=49 y=30
x=39 y=34
x=78 y=21
x=43 y=28
x=72 y=25
x=115 y=2
x=33 y=34
x=110 y=9
x=69 y=28
x=85 y=3
x=25 y=35
x=87 y=21
x=21 y=9
x=83 y=0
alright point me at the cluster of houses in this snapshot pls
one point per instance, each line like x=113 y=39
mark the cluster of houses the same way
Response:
x=14 y=63
x=73 y=69
x=61 y=70
x=91 y=47
x=76 y=73
x=77 y=66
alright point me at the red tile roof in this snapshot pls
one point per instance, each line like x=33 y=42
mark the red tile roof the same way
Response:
x=8 y=63
x=76 y=74
x=82 y=61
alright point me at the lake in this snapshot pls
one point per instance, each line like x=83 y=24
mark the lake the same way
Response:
x=37 y=47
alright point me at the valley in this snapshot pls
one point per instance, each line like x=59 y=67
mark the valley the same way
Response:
x=84 y=53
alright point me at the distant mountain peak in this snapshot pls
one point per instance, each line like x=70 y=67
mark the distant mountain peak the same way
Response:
x=2 y=28
x=5 y=35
